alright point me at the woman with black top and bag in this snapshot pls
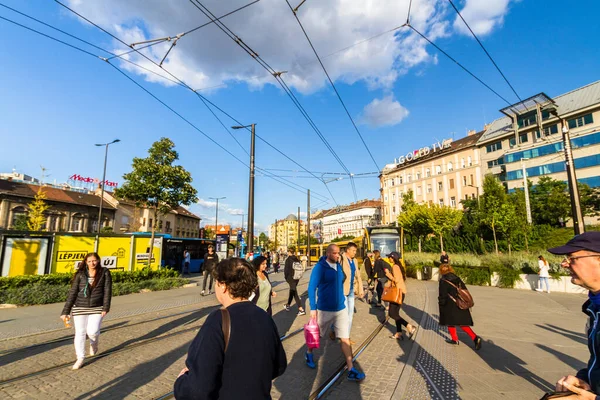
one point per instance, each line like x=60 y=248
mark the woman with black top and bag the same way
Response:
x=237 y=352
x=397 y=277
x=89 y=301
x=379 y=270
x=451 y=315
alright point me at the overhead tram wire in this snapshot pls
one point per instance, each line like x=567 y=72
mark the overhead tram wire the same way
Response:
x=334 y=88
x=190 y=31
x=179 y=81
x=271 y=71
x=486 y=52
x=457 y=63
x=272 y=176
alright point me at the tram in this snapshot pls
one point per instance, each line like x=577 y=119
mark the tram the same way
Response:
x=172 y=254
x=383 y=238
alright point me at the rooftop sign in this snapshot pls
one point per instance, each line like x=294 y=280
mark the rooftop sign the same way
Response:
x=423 y=151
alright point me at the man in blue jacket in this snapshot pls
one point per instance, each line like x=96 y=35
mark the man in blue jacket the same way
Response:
x=327 y=306
x=583 y=261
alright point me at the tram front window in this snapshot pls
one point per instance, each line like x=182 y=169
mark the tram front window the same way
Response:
x=385 y=244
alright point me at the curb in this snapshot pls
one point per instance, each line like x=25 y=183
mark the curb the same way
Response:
x=189 y=285
x=8 y=306
x=409 y=366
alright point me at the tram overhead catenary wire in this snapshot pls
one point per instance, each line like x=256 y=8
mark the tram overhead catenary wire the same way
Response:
x=180 y=82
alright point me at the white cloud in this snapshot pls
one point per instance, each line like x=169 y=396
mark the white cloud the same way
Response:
x=207 y=58
x=383 y=112
x=482 y=16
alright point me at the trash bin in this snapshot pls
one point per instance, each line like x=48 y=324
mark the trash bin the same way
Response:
x=427 y=272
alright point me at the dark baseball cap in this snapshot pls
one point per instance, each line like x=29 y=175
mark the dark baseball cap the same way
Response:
x=586 y=241
x=395 y=255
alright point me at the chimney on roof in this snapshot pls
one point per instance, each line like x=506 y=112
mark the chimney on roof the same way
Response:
x=486 y=126
x=471 y=132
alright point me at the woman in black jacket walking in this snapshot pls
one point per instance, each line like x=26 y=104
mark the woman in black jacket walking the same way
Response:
x=89 y=301
x=450 y=314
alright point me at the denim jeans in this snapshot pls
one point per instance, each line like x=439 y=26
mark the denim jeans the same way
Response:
x=350 y=308
x=544 y=280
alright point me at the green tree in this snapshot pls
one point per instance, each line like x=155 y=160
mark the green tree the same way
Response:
x=442 y=219
x=341 y=239
x=263 y=238
x=20 y=223
x=158 y=184
x=550 y=203
x=415 y=220
x=408 y=200
x=36 y=219
x=589 y=199
x=209 y=233
x=492 y=201
x=313 y=240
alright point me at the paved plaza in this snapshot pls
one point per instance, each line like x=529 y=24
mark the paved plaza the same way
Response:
x=530 y=340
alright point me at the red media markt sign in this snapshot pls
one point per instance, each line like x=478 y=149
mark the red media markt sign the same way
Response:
x=77 y=177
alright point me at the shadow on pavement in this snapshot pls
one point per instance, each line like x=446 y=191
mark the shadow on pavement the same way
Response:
x=573 y=362
x=502 y=360
x=298 y=380
x=178 y=323
x=576 y=336
x=139 y=376
x=35 y=349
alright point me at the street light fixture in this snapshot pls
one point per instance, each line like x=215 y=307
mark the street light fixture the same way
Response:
x=102 y=185
x=250 y=188
x=217 y=213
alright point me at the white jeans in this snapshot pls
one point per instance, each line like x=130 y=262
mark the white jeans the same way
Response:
x=86 y=324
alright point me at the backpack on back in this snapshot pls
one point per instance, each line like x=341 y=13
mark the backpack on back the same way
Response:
x=298 y=270
x=463 y=298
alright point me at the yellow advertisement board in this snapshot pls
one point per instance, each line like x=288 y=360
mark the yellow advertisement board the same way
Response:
x=24 y=256
x=69 y=251
x=115 y=252
x=141 y=249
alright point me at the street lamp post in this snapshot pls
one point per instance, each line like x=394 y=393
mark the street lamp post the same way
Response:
x=217 y=213
x=102 y=184
x=250 y=188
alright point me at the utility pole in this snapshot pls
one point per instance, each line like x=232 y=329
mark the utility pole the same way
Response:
x=217 y=214
x=526 y=187
x=308 y=228
x=102 y=194
x=276 y=234
x=298 y=226
x=578 y=222
x=250 y=188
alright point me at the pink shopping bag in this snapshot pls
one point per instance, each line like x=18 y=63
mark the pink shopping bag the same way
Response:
x=311 y=334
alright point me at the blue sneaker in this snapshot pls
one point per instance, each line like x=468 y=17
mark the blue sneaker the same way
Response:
x=310 y=362
x=354 y=375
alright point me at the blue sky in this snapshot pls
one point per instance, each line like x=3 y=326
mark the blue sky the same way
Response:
x=58 y=102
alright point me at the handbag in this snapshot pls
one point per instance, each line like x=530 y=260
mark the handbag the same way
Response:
x=557 y=395
x=311 y=334
x=392 y=294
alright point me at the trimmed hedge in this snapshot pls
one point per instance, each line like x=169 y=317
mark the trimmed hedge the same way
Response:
x=43 y=293
x=65 y=278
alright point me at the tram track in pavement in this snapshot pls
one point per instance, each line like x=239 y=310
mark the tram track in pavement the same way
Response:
x=69 y=337
x=171 y=395
x=334 y=377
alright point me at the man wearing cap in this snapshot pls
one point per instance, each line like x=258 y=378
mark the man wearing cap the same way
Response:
x=583 y=261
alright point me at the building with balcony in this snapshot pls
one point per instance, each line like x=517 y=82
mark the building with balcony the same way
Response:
x=444 y=173
x=130 y=218
x=346 y=220
x=529 y=137
x=284 y=233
